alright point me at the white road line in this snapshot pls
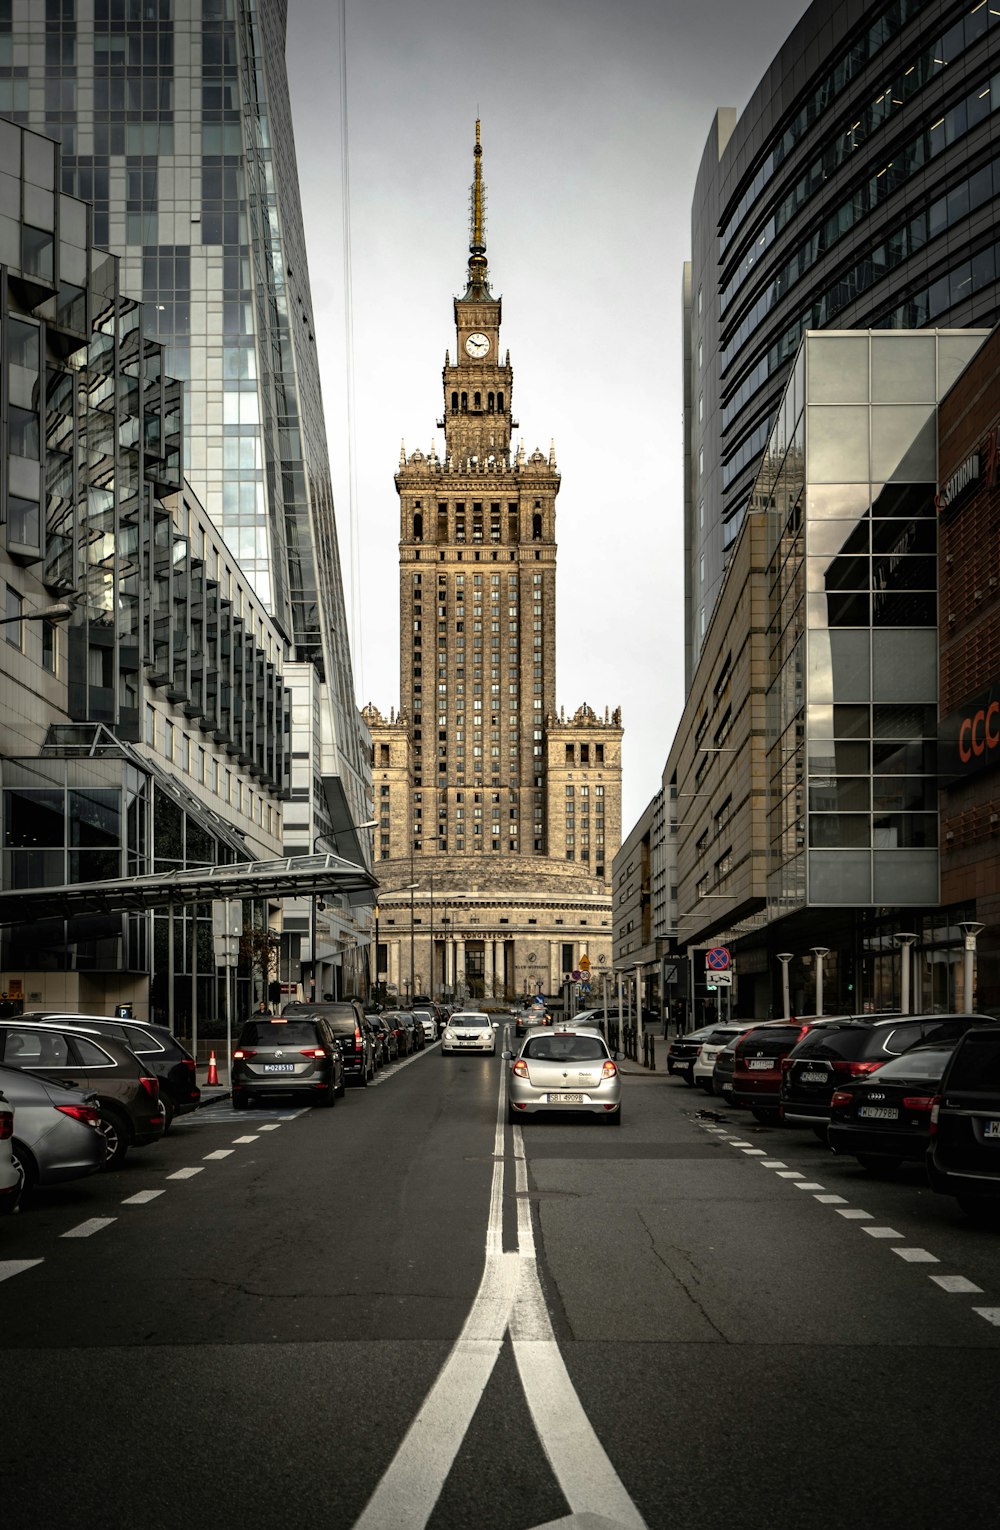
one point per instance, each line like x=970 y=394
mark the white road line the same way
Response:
x=991 y=1314
x=143 y=1198
x=217 y=1155
x=10 y=1267
x=509 y=1296
x=772 y=1163
x=917 y=1256
x=881 y=1232
x=852 y=1214
x=831 y=1200
x=271 y=1126
x=789 y=1174
x=245 y=1139
x=734 y=1143
x=186 y=1173
x=807 y=1184
x=956 y=1284
x=89 y=1228
x=755 y=1152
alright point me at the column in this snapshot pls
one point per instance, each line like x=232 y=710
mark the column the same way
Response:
x=459 y=968
x=488 y=968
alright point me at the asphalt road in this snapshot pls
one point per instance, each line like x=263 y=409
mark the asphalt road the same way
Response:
x=405 y=1312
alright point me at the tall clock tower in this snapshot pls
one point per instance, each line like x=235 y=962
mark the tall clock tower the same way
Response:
x=464 y=777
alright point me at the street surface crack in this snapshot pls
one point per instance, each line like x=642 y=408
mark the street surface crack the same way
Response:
x=685 y=1282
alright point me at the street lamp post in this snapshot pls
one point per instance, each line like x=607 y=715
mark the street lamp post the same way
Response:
x=819 y=952
x=784 y=958
x=905 y=940
x=970 y=929
x=61 y=611
x=410 y=889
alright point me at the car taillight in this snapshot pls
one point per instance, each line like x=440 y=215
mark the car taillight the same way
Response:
x=89 y=1114
x=841 y=1097
x=313 y=1052
x=6 y=1125
x=860 y=1069
x=918 y=1101
x=189 y=1064
x=786 y=1063
x=357 y=1039
x=151 y=1086
x=243 y=1053
x=935 y=1112
x=520 y=1068
x=609 y=1069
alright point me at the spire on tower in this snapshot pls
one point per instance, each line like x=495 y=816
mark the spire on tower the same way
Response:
x=478 y=271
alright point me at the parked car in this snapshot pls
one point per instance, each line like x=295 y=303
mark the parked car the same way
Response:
x=56 y=1130
x=884 y=1119
x=386 y=1039
x=349 y=1025
x=703 y=1067
x=757 y=1058
x=416 y=1031
x=402 y=1032
x=428 y=1020
x=469 y=1031
x=831 y=1055
x=683 y=1050
x=564 y=1070
x=128 y=1093
x=154 y=1045
x=722 y=1072
x=277 y=1055
x=963 y=1159
x=10 y=1172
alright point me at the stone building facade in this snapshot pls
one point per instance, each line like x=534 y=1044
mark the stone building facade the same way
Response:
x=490 y=800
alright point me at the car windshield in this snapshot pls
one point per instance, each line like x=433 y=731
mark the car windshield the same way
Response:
x=833 y=1041
x=564 y=1049
x=474 y=1022
x=270 y=1033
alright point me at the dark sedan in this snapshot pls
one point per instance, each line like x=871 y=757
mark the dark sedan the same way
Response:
x=883 y=1119
x=155 y=1046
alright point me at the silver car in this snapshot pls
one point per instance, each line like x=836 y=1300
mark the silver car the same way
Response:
x=57 y=1133
x=10 y=1177
x=564 y=1070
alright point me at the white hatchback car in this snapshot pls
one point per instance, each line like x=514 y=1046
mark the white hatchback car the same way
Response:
x=721 y=1036
x=469 y=1031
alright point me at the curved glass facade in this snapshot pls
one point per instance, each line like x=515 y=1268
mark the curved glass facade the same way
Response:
x=858 y=190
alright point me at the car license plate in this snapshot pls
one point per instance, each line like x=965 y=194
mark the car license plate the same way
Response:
x=279 y=1067
x=991 y=1129
x=813 y=1077
x=878 y=1112
x=759 y=1062
x=565 y=1099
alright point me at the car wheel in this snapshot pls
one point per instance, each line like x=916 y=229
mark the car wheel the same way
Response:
x=341 y=1088
x=512 y=1114
x=241 y=1102
x=874 y=1163
x=688 y=1077
x=983 y=1211
x=822 y=1133
x=169 y=1110
x=26 y=1167
x=614 y=1117
x=114 y=1129
x=329 y=1098
x=765 y=1116
x=363 y=1078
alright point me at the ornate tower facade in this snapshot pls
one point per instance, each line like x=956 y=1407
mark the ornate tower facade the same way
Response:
x=477 y=606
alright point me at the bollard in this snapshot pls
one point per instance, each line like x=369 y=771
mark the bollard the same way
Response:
x=652 y=1054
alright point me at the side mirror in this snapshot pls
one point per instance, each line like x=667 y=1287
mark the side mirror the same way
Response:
x=506 y=1054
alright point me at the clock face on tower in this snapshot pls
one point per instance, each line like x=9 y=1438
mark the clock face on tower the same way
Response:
x=477 y=345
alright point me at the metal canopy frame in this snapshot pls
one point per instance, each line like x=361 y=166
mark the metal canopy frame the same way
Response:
x=294 y=876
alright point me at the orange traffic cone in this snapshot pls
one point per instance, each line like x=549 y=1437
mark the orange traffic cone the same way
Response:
x=213 y=1071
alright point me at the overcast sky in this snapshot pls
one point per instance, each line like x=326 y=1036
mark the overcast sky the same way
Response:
x=594 y=117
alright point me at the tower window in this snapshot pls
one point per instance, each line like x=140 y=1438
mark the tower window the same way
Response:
x=418 y=526
x=454 y=403
x=490 y=401
x=477 y=401
x=500 y=403
x=536 y=527
x=465 y=402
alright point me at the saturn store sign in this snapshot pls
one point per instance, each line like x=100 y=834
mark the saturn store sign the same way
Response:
x=969 y=739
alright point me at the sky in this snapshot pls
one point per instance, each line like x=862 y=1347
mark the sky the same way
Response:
x=594 y=116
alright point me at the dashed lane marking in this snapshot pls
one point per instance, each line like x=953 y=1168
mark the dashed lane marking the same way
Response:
x=272 y=1126
x=755 y=1152
x=852 y=1214
x=831 y=1200
x=991 y=1314
x=218 y=1155
x=245 y=1139
x=89 y=1228
x=186 y=1173
x=143 y=1198
x=807 y=1184
x=773 y=1163
x=789 y=1174
x=11 y=1267
x=957 y=1284
x=882 y=1232
x=917 y=1255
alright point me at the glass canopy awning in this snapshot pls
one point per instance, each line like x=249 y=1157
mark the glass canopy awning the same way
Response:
x=297 y=876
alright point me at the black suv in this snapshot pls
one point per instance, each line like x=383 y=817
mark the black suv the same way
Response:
x=350 y=1027
x=833 y=1055
x=963 y=1159
x=278 y=1055
x=128 y=1093
x=154 y=1045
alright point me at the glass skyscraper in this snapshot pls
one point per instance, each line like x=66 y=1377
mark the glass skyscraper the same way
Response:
x=175 y=124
